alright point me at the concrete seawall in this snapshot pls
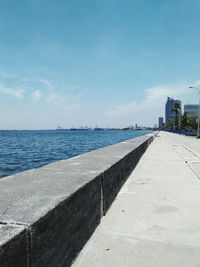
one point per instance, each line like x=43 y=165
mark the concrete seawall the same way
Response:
x=48 y=214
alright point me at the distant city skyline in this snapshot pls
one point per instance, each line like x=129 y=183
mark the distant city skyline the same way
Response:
x=86 y=63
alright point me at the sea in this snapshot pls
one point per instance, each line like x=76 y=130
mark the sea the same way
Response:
x=23 y=150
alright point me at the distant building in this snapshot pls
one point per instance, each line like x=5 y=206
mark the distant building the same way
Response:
x=168 y=110
x=169 y=113
x=178 y=102
x=192 y=110
x=160 y=122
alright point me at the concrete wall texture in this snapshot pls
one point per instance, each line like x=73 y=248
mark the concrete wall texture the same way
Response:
x=48 y=214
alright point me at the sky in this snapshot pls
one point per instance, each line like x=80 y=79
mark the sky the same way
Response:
x=110 y=63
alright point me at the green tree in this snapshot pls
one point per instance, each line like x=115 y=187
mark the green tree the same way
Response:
x=189 y=122
x=177 y=118
x=184 y=121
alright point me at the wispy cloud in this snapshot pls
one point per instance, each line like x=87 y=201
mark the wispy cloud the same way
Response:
x=39 y=90
x=157 y=95
x=71 y=100
x=152 y=105
x=47 y=83
x=37 y=94
x=15 y=92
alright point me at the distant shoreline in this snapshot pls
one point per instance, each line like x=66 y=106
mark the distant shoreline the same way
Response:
x=79 y=129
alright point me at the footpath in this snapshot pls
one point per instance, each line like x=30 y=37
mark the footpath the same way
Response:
x=155 y=219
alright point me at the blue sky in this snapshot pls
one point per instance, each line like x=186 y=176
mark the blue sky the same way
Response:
x=95 y=62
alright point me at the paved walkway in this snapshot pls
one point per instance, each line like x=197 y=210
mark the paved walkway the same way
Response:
x=155 y=219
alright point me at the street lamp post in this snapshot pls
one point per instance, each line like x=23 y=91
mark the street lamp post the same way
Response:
x=198 y=89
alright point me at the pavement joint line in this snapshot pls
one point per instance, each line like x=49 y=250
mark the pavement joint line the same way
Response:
x=14 y=223
x=193 y=170
x=186 y=160
x=186 y=150
x=180 y=143
x=191 y=151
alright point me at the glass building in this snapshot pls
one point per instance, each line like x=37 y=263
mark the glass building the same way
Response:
x=191 y=110
x=160 y=122
x=169 y=113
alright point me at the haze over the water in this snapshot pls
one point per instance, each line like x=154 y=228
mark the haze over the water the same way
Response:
x=87 y=62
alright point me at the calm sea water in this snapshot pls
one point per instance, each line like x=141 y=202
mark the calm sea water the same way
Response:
x=23 y=150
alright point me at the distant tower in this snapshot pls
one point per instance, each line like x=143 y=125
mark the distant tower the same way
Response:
x=169 y=113
x=160 y=122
